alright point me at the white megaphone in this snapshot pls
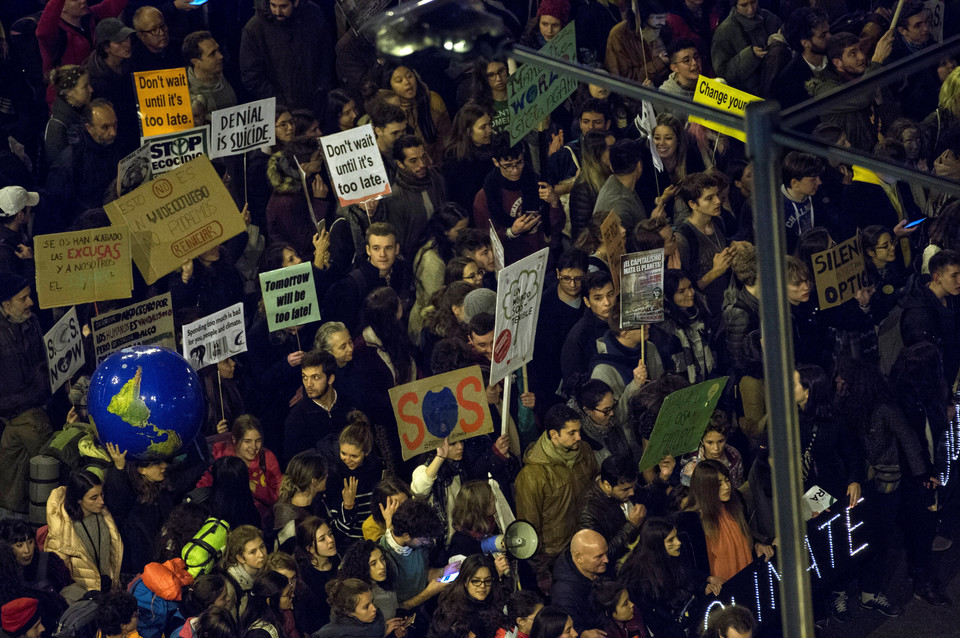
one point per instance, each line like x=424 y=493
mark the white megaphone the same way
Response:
x=520 y=541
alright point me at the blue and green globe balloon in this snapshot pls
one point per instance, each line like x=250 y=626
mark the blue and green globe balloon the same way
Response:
x=147 y=400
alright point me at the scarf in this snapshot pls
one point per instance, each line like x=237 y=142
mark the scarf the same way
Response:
x=242 y=576
x=398 y=549
x=494 y=185
x=561 y=456
x=752 y=28
x=408 y=180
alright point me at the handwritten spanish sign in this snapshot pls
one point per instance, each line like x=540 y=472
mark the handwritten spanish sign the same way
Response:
x=724 y=97
x=146 y=323
x=453 y=404
x=177 y=216
x=216 y=337
x=355 y=164
x=614 y=245
x=173 y=150
x=83 y=266
x=239 y=129
x=682 y=421
x=289 y=296
x=641 y=295
x=839 y=272
x=533 y=93
x=164 y=99
x=519 y=290
x=64 y=344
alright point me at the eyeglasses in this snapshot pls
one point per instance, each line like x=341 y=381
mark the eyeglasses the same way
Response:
x=570 y=280
x=477 y=276
x=155 y=31
x=502 y=73
x=605 y=411
x=481 y=582
x=285 y=124
x=518 y=166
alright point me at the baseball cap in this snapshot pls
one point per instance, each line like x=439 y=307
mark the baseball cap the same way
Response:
x=113 y=30
x=14 y=199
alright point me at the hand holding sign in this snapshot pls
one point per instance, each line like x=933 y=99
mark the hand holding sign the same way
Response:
x=682 y=421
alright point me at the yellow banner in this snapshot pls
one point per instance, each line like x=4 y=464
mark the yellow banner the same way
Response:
x=724 y=97
x=164 y=99
x=83 y=266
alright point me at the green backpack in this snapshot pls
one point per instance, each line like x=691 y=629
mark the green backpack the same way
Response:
x=201 y=552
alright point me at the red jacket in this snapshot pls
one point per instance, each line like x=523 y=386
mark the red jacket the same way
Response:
x=266 y=478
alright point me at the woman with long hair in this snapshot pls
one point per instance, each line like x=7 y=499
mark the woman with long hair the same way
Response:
x=944 y=122
x=215 y=622
x=885 y=272
x=552 y=622
x=353 y=614
x=429 y=264
x=683 y=338
x=466 y=159
x=487 y=86
x=258 y=184
x=621 y=618
x=305 y=478
x=288 y=216
x=230 y=498
x=264 y=475
x=263 y=617
x=594 y=171
x=660 y=579
x=317 y=557
x=522 y=609
x=366 y=561
x=387 y=496
x=81 y=531
x=472 y=604
x=66 y=123
x=426 y=113
x=445 y=318
x=680 y=157
x=645 y=238
x=340 y=114
x=463 y=269
x=242 y=561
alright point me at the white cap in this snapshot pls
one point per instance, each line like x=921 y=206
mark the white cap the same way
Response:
x=14 y=199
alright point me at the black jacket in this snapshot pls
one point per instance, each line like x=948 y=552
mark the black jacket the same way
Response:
x=605 y=516
x=571 y=593
x=925 y=318
x=344 y=300
x=308 y=424
x=581 y=346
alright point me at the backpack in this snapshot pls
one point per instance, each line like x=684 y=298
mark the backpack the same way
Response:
x=65 y=447
x=201 y=552
x=79 y=620
x=890 y=339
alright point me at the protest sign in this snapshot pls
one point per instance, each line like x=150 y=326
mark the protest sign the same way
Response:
x=641 y=295
x=355 y=165
x=499 y=258
x=164 y=99
x=146 y=323
x=533 y=93
x=133 y=170
x=724 y=97
x=64 y=344
x=289 y=296
x=648 y=119
x=83 y=266
x=170 y=151
x=453 y=404
x=614 y=245
x=682 y=421
x=935 y=9
x=216 y=337
x=239 y=129
x=519 y=289
x=839 y=272
x=177 y=216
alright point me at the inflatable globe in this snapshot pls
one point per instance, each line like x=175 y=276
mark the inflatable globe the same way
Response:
x=147 y=400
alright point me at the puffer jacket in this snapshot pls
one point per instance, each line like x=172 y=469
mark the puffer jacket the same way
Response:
x=550 y=494
x=64 y=541
x=158 y=590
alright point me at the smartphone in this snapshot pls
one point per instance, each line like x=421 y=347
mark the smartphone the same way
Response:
x=321 y=226
x=915 y=223
x=450 y=573
x=197 y=3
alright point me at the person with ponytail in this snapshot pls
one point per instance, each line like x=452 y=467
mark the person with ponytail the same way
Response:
x=636 y=47
x=263 y=617
x=306 y=477
x=353 y=614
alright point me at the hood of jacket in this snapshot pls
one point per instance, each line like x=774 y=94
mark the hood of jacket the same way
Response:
x=168 y=579
x=544 y=452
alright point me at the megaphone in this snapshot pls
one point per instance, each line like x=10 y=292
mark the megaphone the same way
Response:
x=520 y=541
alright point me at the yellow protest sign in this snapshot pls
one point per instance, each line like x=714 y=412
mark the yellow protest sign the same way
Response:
x=164 y=99
x=177 y=216
x=724 y=97
x=83 y=266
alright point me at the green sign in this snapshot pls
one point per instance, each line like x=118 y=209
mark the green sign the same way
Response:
x=533 y=93
x=289 y=296
x=682 y=421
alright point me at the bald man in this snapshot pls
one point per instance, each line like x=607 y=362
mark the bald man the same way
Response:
x=151 y=49
x=573 y=576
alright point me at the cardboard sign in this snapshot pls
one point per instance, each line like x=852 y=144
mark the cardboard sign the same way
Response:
x=177 y=216
x=355 y=165
x=164 y=99
x=167 y=152
x=724 y=97
x=133 y=170
x=614 y=245
x=519 y=290
x=289 y=296
x=499 y=258
x=146 y=323
x=453 y=404
x=83 y=266
x=533 y=93
x=839 y=272
x=641 y=298
x=64 y=344
x=216 y=337
x=682 y=421
x=239 y=129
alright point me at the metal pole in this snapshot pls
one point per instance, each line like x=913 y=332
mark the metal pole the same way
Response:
x=796 y=601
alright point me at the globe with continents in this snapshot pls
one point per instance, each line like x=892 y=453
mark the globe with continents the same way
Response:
x=147 y=400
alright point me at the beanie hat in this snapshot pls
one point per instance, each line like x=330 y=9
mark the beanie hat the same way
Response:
x=479 y=300
x=19 y=616
x=10 y=284
x=559 y=9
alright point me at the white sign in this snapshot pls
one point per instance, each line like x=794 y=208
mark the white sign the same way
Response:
x=64 y=345
x=648 y=119
x=815 y=501
x=239 y=129
x=519 y=289
x=355 y=165
x=173 y=150
x=935 y=9
x=499 y=260
x=145 y=323
x=216 y=337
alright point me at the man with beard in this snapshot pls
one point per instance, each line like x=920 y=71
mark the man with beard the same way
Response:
x=288 y=51
x=205 y=73
x=319 y=415
x=23 y=377
x=859 y=114
x=418 y=190
x=806 y=32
